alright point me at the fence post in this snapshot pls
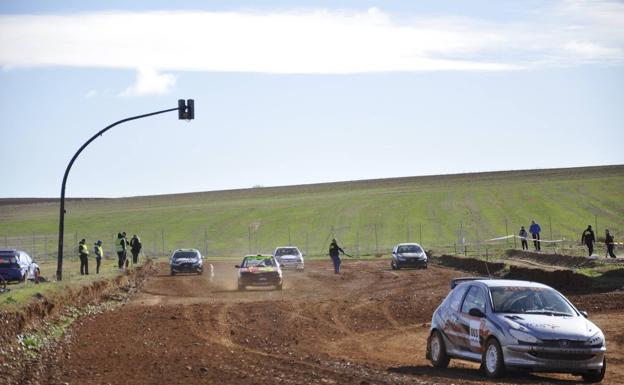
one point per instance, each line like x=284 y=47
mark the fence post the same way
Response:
x=33 y=245
x=205 y=241
x=357 y=242
x=551 y=234
x=307 y=247
x=506 y=233
x=163 y=242
x=376 y=241
x=420 y=233
x=45 y=246
x=289 y=242
x=249 y=237
x=407 y=229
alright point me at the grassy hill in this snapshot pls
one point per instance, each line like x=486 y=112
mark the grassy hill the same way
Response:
x=366 y=216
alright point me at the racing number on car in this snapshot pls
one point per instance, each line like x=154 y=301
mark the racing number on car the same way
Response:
x=475 y=333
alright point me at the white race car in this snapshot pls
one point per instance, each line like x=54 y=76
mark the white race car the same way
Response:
x=289 y=257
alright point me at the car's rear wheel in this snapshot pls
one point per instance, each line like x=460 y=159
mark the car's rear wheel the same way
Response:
x=492 y=361
x=279 y=287
x=596 y=375
x=437 y=350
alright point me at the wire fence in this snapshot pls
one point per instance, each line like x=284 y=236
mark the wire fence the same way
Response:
x=375 y=239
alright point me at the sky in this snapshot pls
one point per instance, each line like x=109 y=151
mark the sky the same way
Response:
x=303 y=91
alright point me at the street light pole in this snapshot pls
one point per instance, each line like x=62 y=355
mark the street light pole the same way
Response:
x=186 y=111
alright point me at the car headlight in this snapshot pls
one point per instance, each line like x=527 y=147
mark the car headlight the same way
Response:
x=523 y=337
x=596 y=339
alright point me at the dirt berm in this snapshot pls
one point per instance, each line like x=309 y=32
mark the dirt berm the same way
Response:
x=469 y=264
x=43 y=308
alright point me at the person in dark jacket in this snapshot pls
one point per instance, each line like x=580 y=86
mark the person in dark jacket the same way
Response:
x=135 y=248
x=334 y=253
x=610 y=244
x=99 y=254
x=588 y=239
x=535 y=230
x=83 y=251
x=121 y=246
x=523 y=238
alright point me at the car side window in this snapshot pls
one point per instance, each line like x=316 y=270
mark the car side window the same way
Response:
x=474 y=299
x=455 y=298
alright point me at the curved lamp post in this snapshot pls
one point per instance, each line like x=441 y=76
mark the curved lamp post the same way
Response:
x=186 y=111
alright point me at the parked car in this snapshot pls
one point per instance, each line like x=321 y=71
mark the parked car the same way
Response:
x=515 y=324
x=186 y=261
x=289 y=257
x=17 y=265
x=259 y=270
x=408 y=255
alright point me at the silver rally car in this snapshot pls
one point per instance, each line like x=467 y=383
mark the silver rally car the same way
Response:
x=515 y=324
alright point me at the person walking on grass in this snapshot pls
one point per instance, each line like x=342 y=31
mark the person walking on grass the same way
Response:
x=523 y=238
x=84 y=257
x=610 y=244
x=135 y=248
x=334 y=253
x=588 y=239
x=99 y=254
x=535 y=230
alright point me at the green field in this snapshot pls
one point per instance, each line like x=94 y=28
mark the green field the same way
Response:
x=367 y=217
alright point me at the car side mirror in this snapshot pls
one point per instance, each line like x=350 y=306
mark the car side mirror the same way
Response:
x=583 y=313
x=476 y=312
x=237 y=266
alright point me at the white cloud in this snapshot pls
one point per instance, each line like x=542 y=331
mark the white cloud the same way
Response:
x=315 y=41
x=150 y=82
x=91 y=94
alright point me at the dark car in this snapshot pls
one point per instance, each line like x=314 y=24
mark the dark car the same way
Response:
x=259 y=270
x=515 y=324
x=17 y=265
x=186 y=261
x=408 y=255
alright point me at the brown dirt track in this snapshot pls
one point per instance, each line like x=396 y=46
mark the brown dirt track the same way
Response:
x=367 y=326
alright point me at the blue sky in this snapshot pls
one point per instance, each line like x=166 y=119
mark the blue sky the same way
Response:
x=303 y=92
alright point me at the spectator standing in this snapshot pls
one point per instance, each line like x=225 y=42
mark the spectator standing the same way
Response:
x=84 y=257
x=99 y=254
x=535 y=230
x=523 y=238
x=610 y=244
x=121 y=246
x=135 y=248
x=334 y=253
x=588 y=239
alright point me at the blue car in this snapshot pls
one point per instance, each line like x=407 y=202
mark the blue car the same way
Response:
x=17 y=265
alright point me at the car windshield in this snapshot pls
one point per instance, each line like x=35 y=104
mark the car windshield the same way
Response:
x=286 y=251
x=185 y=254
x=258 y=262
x=530 y=300
x=409 y=249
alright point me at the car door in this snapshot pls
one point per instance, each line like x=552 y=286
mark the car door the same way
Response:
x=471 y=325
x=450 y=316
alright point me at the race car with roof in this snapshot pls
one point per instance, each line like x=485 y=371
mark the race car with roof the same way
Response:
x=289 y=257
x=408 y=255
x=515 y=324
x=186 y=261
x=259 y=270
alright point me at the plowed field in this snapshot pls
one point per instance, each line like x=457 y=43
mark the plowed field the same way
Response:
x=366 y=326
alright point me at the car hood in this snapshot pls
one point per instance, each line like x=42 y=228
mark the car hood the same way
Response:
x=255 y=269
x=185 y=260
x=547 y=327
x=412 y=255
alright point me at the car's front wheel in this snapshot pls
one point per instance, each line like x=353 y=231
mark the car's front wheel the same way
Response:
x=394 y=265
x=437 y=350
x=172 y=272
x=596 y=375
x=241 y=287
x=492 y=360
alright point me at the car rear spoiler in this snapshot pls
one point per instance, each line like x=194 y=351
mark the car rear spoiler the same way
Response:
x=457 y=281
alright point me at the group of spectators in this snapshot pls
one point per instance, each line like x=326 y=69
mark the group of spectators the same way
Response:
x=122 y=246
x=588 y=239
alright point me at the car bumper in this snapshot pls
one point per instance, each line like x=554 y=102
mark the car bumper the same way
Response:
x=411 y=262
x=292 y=265
x=259 y=281
x=186 y=268
x=551 y=359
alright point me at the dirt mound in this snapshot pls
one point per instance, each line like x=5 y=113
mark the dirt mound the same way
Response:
x=562 y=280
x=41 y=308
x=568 y=261
x=469 y=264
